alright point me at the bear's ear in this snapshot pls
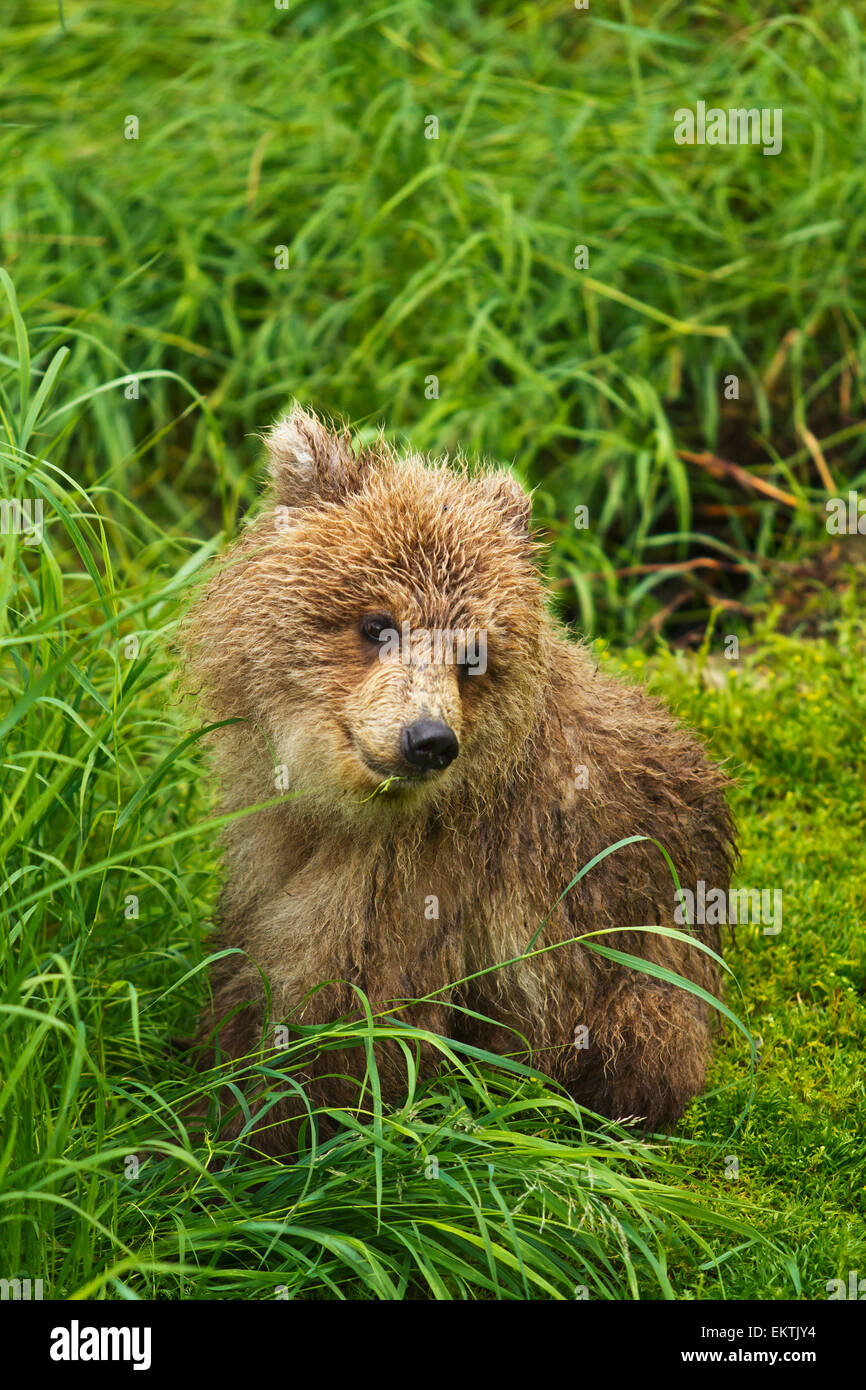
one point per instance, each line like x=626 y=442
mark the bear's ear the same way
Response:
x=308 y=463
x=507 y=495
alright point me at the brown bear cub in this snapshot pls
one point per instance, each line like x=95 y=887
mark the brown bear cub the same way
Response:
x=450 y=760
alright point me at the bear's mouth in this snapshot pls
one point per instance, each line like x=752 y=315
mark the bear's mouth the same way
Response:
x=391 y=775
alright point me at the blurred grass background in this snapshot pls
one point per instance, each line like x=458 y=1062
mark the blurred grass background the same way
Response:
x=155 y=338
x=411 y=258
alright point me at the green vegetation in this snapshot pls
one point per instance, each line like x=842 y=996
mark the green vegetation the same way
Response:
x=261 y=128
x=156 y=335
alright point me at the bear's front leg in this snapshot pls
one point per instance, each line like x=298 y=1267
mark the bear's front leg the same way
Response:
x=335 y=1075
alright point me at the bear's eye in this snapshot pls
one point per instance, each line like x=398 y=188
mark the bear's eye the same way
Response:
x=375 y=628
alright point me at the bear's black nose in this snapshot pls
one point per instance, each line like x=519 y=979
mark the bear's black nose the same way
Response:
x=429 y=743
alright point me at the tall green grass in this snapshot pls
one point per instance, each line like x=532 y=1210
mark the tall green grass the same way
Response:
x=411 y=258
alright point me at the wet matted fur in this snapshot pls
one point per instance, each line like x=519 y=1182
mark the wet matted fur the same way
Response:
x=408 y=890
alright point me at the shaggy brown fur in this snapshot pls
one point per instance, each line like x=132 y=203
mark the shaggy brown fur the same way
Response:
x=337 y=883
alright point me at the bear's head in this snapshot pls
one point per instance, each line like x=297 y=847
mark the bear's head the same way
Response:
x=381 y=625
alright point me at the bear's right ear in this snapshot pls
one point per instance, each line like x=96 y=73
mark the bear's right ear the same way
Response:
x=510 y=498
x=308 y=463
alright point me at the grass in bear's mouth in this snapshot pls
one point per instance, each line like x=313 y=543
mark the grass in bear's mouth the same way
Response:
x=395 y=780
